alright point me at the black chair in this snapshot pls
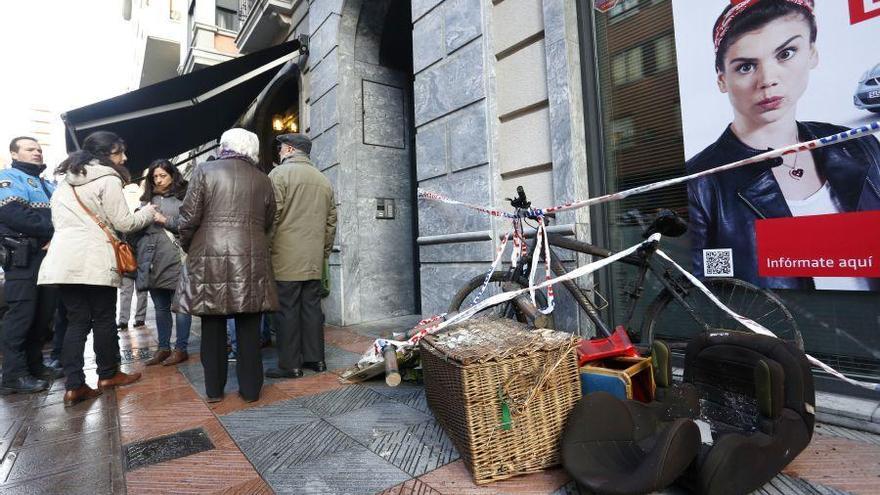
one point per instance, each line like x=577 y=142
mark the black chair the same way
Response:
x=752 y=395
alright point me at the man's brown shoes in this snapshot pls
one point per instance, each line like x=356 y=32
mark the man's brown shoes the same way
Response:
x=157 y=358
x=177 y=357
x=75 y=396
x=118 y=380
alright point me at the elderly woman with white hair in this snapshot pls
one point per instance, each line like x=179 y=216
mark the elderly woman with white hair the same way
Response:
x=224 y=221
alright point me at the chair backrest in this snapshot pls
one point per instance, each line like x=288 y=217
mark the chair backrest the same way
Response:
x=744 y=376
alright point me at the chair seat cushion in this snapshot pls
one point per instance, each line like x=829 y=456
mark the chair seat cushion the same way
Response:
x=621 y=447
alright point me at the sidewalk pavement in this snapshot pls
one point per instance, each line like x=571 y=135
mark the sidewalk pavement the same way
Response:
x=312 y=435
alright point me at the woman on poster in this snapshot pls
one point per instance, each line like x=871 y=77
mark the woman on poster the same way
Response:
x=764 y=52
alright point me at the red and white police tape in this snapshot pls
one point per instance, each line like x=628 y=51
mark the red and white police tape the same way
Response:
x=374 y=355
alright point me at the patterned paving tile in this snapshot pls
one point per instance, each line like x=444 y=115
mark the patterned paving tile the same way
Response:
x=341 y=401
x=369 y=423
x=347 y=340
x=411 y=487
x=206 y=472
x=283 y=449
x=92 y=478
x=339 y=359
x=50 y=458
x=839 y=463
x=255 y=486
x=417 y=449
x=135 y=400
x=407 y=393
x=784 y=485
x=261 y=420
x=59 y=429
x=270 y=394
x=310 y=385
x=455 y=479
x=163 y=418
x=355 y=471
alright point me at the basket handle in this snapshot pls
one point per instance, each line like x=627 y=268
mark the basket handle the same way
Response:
x=518 y=404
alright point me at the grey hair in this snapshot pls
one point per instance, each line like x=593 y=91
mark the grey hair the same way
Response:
x=241 y=141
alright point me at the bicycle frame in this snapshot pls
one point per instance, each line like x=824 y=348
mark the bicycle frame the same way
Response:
x=642 y=260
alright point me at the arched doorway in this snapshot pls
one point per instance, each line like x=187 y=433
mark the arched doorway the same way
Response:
x=379 y=259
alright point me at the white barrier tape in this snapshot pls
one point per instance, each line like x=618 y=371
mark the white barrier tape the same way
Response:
x=541 y=241
x=374 y=355
x=424 y=194
x=859 y=132
x=495 y=262
x=760 y=329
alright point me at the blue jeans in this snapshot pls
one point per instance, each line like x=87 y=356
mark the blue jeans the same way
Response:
x=265 y=331
x=162 y=302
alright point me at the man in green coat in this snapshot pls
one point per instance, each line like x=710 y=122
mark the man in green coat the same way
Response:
x=302 y=237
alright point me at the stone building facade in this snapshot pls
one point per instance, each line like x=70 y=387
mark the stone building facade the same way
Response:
x=468 y=98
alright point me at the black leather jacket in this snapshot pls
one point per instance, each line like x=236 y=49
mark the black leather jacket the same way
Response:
x=723 y=207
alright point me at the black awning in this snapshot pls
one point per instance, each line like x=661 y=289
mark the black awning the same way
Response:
x=168 y=118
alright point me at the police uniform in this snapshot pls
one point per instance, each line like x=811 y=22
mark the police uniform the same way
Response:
x=25 y=227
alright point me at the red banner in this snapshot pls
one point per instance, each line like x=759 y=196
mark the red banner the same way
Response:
x=841 y=245
x=862 y=10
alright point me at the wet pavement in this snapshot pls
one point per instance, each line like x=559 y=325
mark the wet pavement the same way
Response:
x=312 y=435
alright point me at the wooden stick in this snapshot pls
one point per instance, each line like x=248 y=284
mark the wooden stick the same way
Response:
x=392 y=373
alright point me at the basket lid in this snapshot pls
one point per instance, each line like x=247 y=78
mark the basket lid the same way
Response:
x=481 y=340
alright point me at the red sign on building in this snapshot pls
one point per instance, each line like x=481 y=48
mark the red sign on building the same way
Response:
x=840 y=245
x=862 y=10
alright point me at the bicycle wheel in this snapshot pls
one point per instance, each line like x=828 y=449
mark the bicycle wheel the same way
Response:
x=463 y=299
x=666 y=319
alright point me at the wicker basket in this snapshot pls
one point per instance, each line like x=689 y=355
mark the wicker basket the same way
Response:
x=476 y=368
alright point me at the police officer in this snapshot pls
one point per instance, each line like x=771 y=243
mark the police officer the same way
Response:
x=25 y=231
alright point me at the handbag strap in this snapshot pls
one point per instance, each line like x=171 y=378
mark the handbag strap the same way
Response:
x=94 y=217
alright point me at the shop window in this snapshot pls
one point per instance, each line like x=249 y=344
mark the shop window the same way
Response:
x=632 y=59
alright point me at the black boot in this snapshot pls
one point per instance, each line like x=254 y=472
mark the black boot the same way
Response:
x=23 y=385
x=319 y=366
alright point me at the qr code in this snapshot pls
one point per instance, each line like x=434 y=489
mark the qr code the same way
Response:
x=718 y=262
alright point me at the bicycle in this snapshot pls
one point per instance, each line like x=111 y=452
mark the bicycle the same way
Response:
x=676 y=314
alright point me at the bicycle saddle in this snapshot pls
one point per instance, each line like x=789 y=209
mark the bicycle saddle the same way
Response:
x=667 y=223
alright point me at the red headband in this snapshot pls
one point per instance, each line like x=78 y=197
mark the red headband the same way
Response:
x=740 y=6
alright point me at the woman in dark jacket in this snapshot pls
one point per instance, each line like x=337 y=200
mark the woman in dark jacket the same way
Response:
x=159 y=258
x=224 y=222
x=764 y=52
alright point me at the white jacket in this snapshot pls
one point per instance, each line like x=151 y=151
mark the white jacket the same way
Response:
x=80 y=252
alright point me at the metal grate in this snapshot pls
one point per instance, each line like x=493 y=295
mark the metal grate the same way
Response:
x=175 y=446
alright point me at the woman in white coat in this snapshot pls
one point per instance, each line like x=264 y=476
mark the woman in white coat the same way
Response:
x=81 y=260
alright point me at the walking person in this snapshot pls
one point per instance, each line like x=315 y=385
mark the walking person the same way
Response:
x=302 y=237
x=82 y=262
x=159 y=259
x=25 y=231
x=224 y=222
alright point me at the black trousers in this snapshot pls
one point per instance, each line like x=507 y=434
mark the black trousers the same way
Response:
x=27 y=321
x=249 y=365
x=89 y=307
x=299 y=325
x=60 y=328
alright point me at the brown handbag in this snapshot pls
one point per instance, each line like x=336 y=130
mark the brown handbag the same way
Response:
x=125 y=259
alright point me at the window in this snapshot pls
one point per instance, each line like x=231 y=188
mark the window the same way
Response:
x=226 y=14
x=627 y=67
x=664 y=53
x=227 y=19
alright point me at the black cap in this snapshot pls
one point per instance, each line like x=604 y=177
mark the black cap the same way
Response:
x=298 y=141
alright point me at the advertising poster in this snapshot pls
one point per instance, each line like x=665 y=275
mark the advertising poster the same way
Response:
x=756 y=75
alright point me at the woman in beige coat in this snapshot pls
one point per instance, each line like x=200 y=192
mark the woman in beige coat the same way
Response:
x=81 y=260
